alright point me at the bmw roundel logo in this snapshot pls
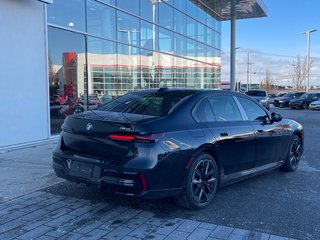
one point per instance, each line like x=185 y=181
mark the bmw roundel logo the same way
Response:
x=89 y=127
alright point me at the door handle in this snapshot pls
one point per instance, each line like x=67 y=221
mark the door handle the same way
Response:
x=224 y=134
x=260 y=131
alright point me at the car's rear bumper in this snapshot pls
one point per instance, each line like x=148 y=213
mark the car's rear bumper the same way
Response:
x=116 y=179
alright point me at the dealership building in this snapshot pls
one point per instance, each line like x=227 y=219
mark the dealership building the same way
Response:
x=59 y=57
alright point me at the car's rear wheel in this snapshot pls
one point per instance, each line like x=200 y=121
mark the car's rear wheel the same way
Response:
x=304 y=106
x=201 y=183
x=294 y=155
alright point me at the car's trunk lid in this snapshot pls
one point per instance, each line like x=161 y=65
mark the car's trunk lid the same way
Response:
x=88 y=133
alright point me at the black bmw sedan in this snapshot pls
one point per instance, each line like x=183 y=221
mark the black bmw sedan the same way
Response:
x=181 y=143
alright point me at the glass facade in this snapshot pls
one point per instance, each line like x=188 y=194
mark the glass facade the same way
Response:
x=101 y=49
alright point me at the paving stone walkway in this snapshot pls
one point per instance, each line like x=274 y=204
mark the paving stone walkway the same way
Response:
x=42 y=215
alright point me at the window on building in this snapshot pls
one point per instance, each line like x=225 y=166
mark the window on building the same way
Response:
x=128 y=29
x=126 y=51
x=165 y=15
x=131 y=6
x=69 y=14
x=101 y=19
x=66 y=75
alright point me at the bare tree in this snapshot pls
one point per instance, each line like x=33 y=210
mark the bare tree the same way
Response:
x=267 y=83
x=300 y=73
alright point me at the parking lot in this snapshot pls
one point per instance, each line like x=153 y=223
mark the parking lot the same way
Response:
x=276 y=203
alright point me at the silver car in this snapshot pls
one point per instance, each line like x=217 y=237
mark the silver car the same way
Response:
x=260 y=96
x=315 y=105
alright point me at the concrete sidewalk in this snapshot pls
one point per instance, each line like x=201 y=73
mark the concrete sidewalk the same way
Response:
x=25 y=169
x=27 y=212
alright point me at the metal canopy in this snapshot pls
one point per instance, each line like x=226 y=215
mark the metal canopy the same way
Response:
x=243 y=9
x=221 y=9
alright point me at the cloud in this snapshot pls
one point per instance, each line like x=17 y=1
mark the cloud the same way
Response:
x=279 y=66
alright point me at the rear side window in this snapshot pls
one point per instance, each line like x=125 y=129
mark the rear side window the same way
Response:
x=225 y=108
x=217 y=108
x=254 y=111
x=154 y=103
x=203 y=112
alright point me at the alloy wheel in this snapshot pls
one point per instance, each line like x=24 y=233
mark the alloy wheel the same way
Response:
x=204 y=181
x=305 y=106
x=295 y=152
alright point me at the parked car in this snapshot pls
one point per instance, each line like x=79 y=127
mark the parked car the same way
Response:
x=260 y=96
x=181 y=143
x=272 y=96
x=75 y=105
x=285 y=99
x=304 y=101
x=315 y=105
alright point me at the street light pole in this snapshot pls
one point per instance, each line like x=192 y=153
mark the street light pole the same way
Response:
x=308 y=57
x=250 y=74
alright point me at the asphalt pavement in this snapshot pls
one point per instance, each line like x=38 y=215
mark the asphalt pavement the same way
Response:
x=264 y=207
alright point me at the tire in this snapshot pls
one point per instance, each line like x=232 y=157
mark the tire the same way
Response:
x=294 y=155
x=77 y=110
x=304 y=106
x=201 y=183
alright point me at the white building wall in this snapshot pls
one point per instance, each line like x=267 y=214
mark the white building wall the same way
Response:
x=24 y=98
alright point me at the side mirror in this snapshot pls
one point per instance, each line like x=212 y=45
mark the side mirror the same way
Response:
x=276 y=117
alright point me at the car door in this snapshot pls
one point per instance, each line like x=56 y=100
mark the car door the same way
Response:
x=269 y=136
x=234 y=136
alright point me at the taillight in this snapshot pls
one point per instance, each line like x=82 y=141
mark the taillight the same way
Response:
x=121 y=137
x=143 y=182
x=154 y=137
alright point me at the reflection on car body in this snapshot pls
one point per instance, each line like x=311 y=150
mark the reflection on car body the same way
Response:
x=181 y=143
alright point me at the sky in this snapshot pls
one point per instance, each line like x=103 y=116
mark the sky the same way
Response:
x=275 y=41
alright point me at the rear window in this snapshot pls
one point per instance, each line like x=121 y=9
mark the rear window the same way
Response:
x=257 y=93
x=150 y=103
